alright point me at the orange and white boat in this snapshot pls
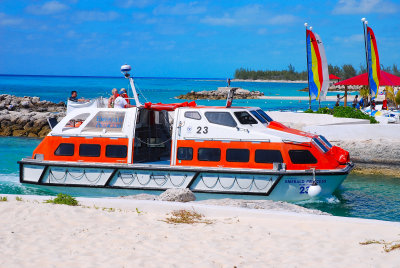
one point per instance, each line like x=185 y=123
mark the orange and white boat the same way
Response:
x=224 y=150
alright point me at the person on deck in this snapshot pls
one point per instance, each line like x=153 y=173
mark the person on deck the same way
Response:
x=120 y=102
x=123 y=93
x=74 y=97
x=355 y=101
x=113 y=97
x=338 y=100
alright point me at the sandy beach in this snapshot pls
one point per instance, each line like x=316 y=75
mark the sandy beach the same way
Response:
x=133 y=233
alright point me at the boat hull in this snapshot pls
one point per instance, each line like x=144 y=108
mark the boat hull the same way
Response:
x=269 y=184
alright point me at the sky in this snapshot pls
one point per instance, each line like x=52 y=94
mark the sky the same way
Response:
x=187 y=38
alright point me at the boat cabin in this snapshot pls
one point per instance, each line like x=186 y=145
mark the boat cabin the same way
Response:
x=186 y=135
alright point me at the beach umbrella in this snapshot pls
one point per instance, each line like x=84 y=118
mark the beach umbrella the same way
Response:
x=387 y=79
x=334 y=77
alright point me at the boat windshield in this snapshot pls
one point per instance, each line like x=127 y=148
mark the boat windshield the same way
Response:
x=259 y=117
x=321 y=145
x=245 y=118
x=264 y=115
x=325 y=141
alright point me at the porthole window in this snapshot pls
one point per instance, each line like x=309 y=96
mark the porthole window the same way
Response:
x=89 y=150
x=209 y=154
x=185 y=153
x=221 y=118
x=193 y=115
x=65 y=149
x=245 y=118
x=268 y=156
x=237 y=155
x=302 y=157
x=116 y=151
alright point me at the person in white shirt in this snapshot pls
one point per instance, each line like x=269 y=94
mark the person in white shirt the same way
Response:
x=120 y=102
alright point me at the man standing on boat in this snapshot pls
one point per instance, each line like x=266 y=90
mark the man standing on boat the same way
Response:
x=120 y=102
x=74 y=97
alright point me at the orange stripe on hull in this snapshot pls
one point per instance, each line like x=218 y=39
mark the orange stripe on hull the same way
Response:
x=325 y=161
x=50 y=143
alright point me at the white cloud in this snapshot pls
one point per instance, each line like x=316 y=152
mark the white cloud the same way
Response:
x=365 y=7
x=133 y=3
x=355 y=38
x=94 y=15
x=180 y=9
x=226 y=20
x=48 y=8
x=249 y=15
x=6 y=20
x=72 y=34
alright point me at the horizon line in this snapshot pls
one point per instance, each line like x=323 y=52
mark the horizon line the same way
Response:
x=97 y=76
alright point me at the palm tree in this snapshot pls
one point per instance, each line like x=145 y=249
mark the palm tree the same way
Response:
x=391 y=95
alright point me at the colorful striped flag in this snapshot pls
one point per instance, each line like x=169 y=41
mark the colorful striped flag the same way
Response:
x=374 y=72
x=318 y=76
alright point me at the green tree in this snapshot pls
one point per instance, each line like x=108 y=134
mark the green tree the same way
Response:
x=363 y=69
x=335 y=70
x=348 y=71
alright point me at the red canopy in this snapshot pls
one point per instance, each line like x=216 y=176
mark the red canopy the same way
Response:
x=333 y=77
x=387 y=79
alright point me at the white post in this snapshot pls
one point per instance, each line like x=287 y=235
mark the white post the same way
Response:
x=135 y=95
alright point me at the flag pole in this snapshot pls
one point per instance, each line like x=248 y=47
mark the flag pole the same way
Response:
x=365 y=22
x=308 y=77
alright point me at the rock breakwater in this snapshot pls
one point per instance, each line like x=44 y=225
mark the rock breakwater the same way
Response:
x=27 y=116
x=221 y=94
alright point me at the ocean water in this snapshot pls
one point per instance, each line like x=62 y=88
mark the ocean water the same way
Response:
x=370 y=197
x=58 y=88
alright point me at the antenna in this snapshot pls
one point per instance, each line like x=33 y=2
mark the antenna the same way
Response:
x=125 y=69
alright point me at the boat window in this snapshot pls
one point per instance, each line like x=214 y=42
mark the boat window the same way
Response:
x=65 y=149
x=268 y=156
x=193 y=115
x=116 y=151
x=259 y=117
x=237 y=155
x=185 y=153
x=91 y=150
x=109 y=121
x=245 y=118
x=77 y=121
x=266 y=117
x=209 y=154
x=302 y=157
x=221 y=118
x=321 y=145
x=325 y=141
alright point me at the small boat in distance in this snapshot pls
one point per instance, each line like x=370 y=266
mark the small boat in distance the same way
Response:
x=222 y=150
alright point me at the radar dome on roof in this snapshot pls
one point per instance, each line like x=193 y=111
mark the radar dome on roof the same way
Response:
x=125 y=68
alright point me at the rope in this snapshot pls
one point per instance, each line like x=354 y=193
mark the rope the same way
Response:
x=76 y=178
x=141 y=93
x=249 y=187
x=131 y=175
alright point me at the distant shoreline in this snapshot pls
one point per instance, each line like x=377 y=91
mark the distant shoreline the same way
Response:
x=270 y=81
x=95 y=76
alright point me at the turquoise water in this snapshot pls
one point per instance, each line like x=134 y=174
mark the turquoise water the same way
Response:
x=56 y=89
x=359 y=196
